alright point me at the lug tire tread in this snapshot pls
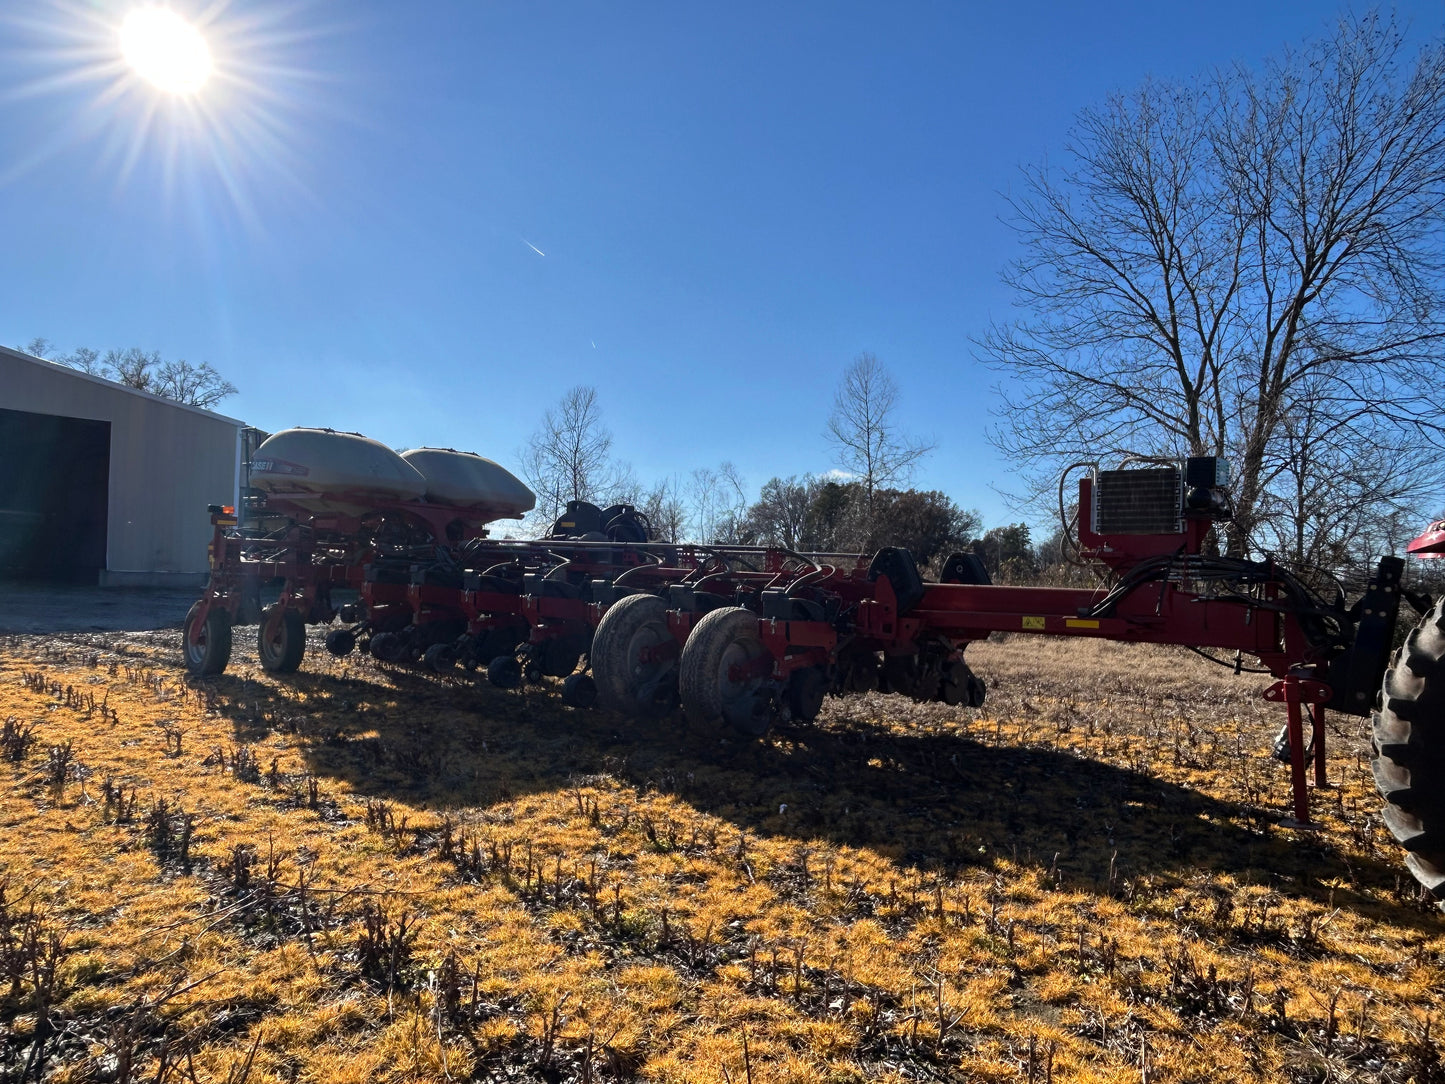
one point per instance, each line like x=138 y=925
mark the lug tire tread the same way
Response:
x=1408 y=732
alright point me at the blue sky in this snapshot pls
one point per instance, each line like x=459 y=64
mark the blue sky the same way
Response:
x=733 y=200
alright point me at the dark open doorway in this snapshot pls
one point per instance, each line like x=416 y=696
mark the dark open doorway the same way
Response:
x=54 y=476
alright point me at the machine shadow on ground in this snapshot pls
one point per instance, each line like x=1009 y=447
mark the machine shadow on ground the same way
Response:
x=939 y=793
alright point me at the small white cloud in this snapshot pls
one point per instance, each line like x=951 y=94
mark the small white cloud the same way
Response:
x=533 y=247
x=836 y=475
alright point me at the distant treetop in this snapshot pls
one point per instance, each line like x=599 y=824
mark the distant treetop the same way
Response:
x=194 y=385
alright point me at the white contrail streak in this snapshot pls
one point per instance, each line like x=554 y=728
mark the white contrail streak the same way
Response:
x=533 y=247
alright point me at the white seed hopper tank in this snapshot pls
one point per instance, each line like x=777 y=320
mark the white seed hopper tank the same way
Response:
x=471 y=483
x=323 y=471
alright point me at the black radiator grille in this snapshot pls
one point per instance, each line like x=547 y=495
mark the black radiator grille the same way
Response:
x=1140 y=501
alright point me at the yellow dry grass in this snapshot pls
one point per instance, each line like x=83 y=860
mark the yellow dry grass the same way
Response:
x=357 y=874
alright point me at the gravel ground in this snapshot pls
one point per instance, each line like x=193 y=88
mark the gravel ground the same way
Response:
x=55 y=608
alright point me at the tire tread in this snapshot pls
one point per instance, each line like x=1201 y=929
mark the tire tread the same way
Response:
x=1408 y=731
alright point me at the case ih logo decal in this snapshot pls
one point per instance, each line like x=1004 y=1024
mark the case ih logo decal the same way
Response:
x=279 y=466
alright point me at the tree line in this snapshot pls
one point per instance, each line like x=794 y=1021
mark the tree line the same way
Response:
x=863 y=504
x=145 y=370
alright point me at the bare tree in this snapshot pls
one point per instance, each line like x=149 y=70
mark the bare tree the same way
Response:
x=1221 y=259
x=719 y=503
x=780 y=515
x=86 y=360
x=195 y=385
x=863 y=429
x=135 y=368
x=666 y=510
x=1333 y=495
x=568 y=458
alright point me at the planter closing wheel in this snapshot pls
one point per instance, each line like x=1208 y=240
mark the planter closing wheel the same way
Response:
x=387 y=647
x=806 y=689
x=579 y=691
x=281 y=639
x=505 y=672
x=634 y=658
x=340 y=642
x=440 y=658
x=207 y=644
x=725 y=670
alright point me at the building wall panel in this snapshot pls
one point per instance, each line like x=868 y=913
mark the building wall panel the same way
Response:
x=167 y=462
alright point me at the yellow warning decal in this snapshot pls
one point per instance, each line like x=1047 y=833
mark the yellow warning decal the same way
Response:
x=1077 y=623
x=1033 y=622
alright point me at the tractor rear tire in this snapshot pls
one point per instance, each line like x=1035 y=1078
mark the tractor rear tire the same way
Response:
x=624 y=683
x=1409 y=748
x=280 y=640
x=209 y=653
x=721 y=640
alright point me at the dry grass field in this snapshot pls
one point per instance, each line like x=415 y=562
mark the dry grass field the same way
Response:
x=357 y=874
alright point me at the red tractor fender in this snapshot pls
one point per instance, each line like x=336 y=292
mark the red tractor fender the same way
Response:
x=1429 y=544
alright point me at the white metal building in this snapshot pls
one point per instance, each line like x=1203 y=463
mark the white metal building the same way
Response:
x=104 y=484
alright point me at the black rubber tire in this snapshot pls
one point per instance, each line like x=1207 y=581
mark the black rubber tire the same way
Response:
x=502 y=640
x=505 y=672
x=210 y=654
x=282 y=650
x=440 y=658
x=720 y=640
x=1409 y=747
x=340 y=642
x=961 y=686
x=387 y=647
x=560 y=655
x=249 y=612
x=623 y=683
x=806 y=690
x=579 y=691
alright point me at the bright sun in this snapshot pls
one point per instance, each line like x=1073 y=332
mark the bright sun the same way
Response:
x=165 y=50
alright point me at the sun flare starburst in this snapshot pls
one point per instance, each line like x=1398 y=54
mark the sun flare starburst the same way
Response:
x=165 y=50
x=210 y=99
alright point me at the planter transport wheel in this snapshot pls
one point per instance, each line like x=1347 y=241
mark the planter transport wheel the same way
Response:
x=713 y=689
x=631 y=628
x=281 y=639
x=207 y=645
x=1409 y=748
